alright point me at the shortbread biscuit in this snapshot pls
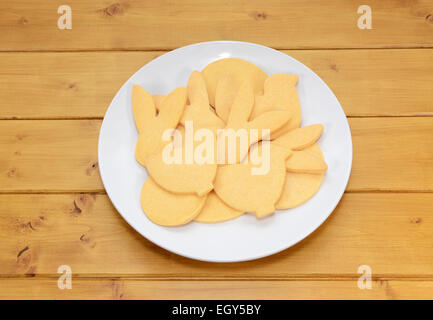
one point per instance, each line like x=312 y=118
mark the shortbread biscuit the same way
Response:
x=305 y=162
x=188 y=176
x=151 y=124
x=240 y=189
x=280 y=94
x=215 y=210
x=238 y=120
x=199 y=110
x=300 y=187
x=300 y=138
x=169 y=209
x=238 y=70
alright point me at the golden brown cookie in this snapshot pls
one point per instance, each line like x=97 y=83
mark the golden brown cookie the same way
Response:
x=280 y=94
x=239 y=188
x=238 y=120
x=238 y=70
x=150 y=124
x=300 y=187
x=215 y=210
x=300 y=138
x=169 y=209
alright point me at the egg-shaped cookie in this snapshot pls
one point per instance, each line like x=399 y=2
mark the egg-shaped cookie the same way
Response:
x=166 y=208
x=238 y=70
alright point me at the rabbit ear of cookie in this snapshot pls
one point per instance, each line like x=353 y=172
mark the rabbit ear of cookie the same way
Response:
x=305 y=162
x=157 y=100
x=280 y=151
x=300 y=138
x=242 y=106
x=197 y=92
x=172 y=108
x=271 y=120
x=224 y=97
x=199 y=111
x=143 y=107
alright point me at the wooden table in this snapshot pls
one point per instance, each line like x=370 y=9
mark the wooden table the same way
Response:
x=55 y=86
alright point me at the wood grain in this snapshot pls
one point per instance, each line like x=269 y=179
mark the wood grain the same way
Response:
x=134 y=24
x=55 y=155
x=392 y=154
x=82 y=84
x=44 y=155
x=389 y=232
x=53 y=207
x=148 y=289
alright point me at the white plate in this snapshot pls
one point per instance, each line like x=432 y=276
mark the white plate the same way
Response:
x=246 y=237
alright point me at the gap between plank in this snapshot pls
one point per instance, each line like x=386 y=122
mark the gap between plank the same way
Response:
x=103 y=192
x=420 y=115
x=341 y=277
x=150 y=49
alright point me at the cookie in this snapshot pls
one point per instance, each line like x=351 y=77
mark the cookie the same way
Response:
x=157 y=100
x=199 y=110
x=150 y=123
x=280 y=94
x=215 y=210
x=305 y=162
x=227 y=144
x=238 y=70
x=188 y=175
x=300 y=138
x=166 y=208
x=239 y=119
x=240 y=189
x=300 y=187
x=184 y=176
x=225 y=94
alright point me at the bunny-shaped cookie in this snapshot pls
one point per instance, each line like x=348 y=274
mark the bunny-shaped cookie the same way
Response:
x=239 y=119
x=188 y=176
x=152 y=124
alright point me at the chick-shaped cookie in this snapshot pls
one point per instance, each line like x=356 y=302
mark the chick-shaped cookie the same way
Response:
x=254 y=186
x=300 y=187
x=305 y=168
x=280 y=94
x=298 y=140
x=152 y=124
x=181 y=166
x=240 y=132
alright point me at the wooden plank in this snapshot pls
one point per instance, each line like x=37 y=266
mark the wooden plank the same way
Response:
x=148 y=289
x=391 y=233
x=134 y=24
x=46 y=155
x=64 y=84
x=55 y=155
x=392 y=154
x=82 y=84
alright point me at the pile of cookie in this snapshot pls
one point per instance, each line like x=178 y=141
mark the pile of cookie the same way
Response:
x=228 y=94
